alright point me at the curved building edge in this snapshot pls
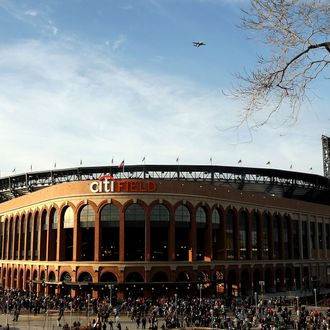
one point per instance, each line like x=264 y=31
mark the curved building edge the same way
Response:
x=169 y=236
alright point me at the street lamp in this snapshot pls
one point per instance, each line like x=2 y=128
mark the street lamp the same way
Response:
x=256 y=301
x=262 y=285
x=176 y=305
x=88 y=299
x=297 y=303
x=211 y=318
x=70 y=305
x=200 y=287
x=315 y=297
x=110 y=286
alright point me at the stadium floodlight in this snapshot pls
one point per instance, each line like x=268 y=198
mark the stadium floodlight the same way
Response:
x=326 y=155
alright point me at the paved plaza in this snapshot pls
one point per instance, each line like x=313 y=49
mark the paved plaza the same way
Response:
x=43 y=321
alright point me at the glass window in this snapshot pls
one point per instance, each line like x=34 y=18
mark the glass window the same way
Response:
x=215 y=219
x=134 y=212
x=110 y=216
x=276 y=232
x=182 y=214
x=87 y=217
x=265 y=225
x=312 y=231
x=286 y=237
x=254 y=235
x=182 y=217
x=53 y=218
x=243 y=232
x=36 y=234
x=304 y=239
x=68 y=218
x=201 y=218
x=295 y=238
x=320 y=225
x=160 y=213
x=230 y=234
x=160 y=216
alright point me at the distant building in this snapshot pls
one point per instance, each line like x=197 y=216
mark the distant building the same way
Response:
x=159 y=229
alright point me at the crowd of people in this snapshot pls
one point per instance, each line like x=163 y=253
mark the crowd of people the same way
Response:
x=168 y=312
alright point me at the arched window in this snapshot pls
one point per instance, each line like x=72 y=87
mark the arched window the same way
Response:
x=44 y=221
x=52 y=243
x=67 y=238
x=29 y=233
x=87 y=224
x=286 y=247
x=276 y=236
x=53 y=219
x=265 y=226
x=160 y=214
x=201 y=218
x=68 y=221
x=182 y=216
x=134 y=233
x=110 y=216
x=254 y=236
x=243 y=234
x=159 y=223
x=182 y=228
x=87 y=217
x=36 y=235
x=215 y=219
x=135 y=213
x=11 y=234
x=200 y=233
x=230 y=227
x=22 y=239
x=217 y=235
x=16 y=237
x=110 y=232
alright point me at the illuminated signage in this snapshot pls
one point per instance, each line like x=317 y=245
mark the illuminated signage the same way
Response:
x=107 y=184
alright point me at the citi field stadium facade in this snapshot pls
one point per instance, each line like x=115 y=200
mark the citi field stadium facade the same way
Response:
x=157 y=229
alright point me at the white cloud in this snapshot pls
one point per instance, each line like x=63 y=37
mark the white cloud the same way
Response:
x=31 y=12
x=66 y=102
x=119 y=42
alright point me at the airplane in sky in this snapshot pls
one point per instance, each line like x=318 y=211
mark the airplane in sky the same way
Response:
x=198 y=43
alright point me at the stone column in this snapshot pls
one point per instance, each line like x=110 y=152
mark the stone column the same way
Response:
x=147 y=254
x=97 y=237
x=121 y=235
x=192 y=235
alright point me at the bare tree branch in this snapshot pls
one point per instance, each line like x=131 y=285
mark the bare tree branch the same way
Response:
x=298 y=35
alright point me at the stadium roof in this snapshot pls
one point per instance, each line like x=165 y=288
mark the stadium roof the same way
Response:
x=303 y=186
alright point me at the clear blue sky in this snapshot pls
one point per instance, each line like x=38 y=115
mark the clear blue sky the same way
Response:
x=110 y=79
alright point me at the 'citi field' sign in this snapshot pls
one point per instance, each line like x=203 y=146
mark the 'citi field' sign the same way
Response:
x=107 y=183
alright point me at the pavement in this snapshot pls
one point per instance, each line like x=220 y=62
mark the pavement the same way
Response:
x=44 y=321
x=49 y=321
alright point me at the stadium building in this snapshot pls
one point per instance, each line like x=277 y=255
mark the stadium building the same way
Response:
x=158 y=229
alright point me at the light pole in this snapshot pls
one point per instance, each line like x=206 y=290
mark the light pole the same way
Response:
x=315 y=297
x=297 y=303
x=176 y=305
x=70 y=305
x=7 y=311
x=211 y=318
x=88 y=298
x=110 y=286
x=256 y=301
x=200 y=287
x=262 y=284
